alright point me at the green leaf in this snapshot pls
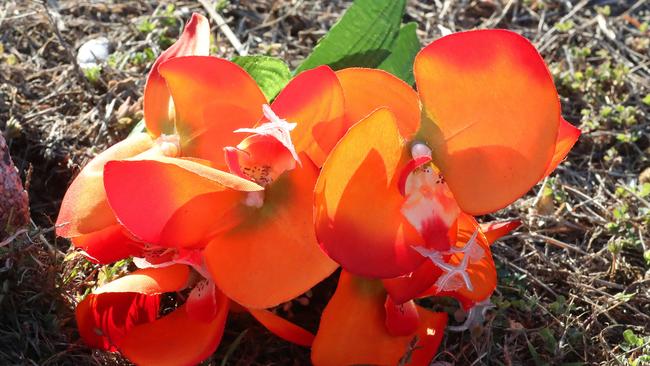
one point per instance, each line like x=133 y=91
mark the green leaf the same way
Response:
x=270 y=73
x=549 y=339
x=403 y=51
x=632 y=338
x=138 y=128
x=362 y=37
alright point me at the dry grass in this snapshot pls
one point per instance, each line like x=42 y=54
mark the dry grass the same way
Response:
x=571 y=281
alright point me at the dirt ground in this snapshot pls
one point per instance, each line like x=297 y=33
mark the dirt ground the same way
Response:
x=574 y=281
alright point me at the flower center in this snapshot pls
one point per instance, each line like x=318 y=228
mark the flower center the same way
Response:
x=264 y=155
x=429 y=204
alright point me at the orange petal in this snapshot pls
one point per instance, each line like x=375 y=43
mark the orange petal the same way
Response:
x=177 y=338
x=313 y=100
x=158 y=188
x=256 y=263
x=202 y=84
x=495 y=230
x=150 y=281
x=110 y=312
x=107 y=245
x=221 y=120
x=283 y=328
x=352 y=329
x=85 y=209
x=368 y=89
x=357 y=202
x=195 y=40
x=567 y=137
x=201 y=218
x=492 y=115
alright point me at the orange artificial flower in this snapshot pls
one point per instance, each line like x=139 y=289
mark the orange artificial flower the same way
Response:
x=245 y=205
x=394 y=198
x=123 y=316
x=377 y=322
x=198 y=184
x=215 y=201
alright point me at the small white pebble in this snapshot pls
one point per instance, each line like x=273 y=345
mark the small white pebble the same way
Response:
x=93 y=52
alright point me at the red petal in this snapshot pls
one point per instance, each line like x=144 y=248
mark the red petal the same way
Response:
x=482 y=273
x=492 y=115
x=145 y=194
x=202 y=218
x=404 y=288
x=107 y=315
x=104 y=320
x=195 y=40
x=201 y=305
x=283 y=328
x=495 y=230
x=402 y=319
x=108 y=245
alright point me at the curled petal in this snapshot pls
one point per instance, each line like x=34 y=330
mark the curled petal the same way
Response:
x=195 y=40
x=107 y=315
x=85 y=209
x=176 y=338
x=368 y=89
x=494 y=230
x=491 y=115
x=159 y=188
x=103 y=321
x=567 y=137
x=314 y=101
x=283 y=328
x=353 y=331
x=357 y=202
x=256 y=262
